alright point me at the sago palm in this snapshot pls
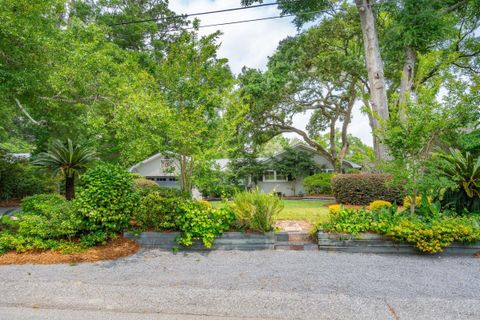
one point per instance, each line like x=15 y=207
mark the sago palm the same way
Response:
x=464 y=169
x=67 y=159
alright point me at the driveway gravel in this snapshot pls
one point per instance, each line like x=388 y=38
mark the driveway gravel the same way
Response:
x=246 y=285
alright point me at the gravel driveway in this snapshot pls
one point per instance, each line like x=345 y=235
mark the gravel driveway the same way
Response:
x=246 y=285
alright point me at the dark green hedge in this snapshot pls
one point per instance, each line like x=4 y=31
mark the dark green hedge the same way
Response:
x=361 y=189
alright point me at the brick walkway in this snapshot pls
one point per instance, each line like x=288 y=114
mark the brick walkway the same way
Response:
x=293 y=225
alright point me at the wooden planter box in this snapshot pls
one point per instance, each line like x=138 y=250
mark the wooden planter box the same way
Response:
x=228 y=241
x=374 y=243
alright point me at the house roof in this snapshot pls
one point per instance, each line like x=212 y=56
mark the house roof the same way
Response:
x=223 y=163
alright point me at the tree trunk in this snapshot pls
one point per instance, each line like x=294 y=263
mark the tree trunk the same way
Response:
x=406 y=83
x=346 y=121
x=69 y=188
x=376 y=77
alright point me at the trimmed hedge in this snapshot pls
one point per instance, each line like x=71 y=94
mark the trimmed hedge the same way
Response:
x=361 y=189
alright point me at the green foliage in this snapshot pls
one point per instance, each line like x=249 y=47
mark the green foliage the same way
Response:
x=67 y=159
x=107 y=198
x=19 y=178
x=212 y=181
x=197 y=221
x=361 y=189
x=48 y=216
x=156 y=211
x=428 y=233
x=255 y=210
x=463 y=171
x=319 y=183
x=294 y=164
x=378 y=204
x=40 y=204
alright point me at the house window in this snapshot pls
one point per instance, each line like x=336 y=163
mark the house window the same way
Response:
x=269 y=175
x=274 y=176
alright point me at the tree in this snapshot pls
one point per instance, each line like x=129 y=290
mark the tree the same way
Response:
x=67 y=159
x=294 y=164
x=196 y=86
x=318 y=70
x=408 y=28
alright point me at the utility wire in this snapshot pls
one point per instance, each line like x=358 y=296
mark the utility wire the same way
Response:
x=236 y=22
x=195 y=14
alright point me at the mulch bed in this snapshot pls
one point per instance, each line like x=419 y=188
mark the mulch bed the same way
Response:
x=10 y=203
x=118 y=248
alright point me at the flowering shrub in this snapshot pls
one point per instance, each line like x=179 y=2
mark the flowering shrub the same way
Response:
x=377 y=204
x=334 y=209
x=428 y=235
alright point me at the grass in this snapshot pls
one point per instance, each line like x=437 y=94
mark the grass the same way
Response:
x=313 y=211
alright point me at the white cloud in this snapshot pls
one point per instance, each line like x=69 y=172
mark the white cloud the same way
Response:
x=250 y=44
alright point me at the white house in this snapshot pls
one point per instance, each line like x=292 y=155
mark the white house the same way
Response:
x=164 y=170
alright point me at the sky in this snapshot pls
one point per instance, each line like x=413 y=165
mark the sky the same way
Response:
x=250 y=44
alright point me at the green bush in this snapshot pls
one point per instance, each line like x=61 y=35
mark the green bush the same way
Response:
x=195 y=220
x=429 y=233
x=156 y=211
x=361 y=189
x=319 y=183
x=47 y=221
x=107 y=198
x=40 y=204
x=19 y=179
x=255 y=210
x=48 y=216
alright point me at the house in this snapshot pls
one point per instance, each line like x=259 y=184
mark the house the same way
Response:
x=164 y=170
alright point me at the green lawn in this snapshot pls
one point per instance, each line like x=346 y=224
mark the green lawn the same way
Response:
x=313 y=211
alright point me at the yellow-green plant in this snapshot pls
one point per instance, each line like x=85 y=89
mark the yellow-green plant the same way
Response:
x=334 y=209
x=255 y=210
x=378 y=204
x=407 y=201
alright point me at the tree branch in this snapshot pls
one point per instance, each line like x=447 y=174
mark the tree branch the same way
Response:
x=38 y=123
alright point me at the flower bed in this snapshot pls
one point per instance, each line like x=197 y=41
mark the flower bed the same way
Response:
x=428 y=232
x=374 y=243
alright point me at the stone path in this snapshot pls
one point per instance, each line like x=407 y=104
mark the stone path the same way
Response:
x=293 y=225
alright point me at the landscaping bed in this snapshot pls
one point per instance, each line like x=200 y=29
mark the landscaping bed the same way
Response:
x=227 y=241
x=367 y=242
x=114 y=249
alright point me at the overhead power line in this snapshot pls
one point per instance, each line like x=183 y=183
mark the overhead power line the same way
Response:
x=238 y=21
x=194 y=14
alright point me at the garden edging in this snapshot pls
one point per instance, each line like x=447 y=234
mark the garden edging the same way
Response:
x=374 y=243
x=227 y=241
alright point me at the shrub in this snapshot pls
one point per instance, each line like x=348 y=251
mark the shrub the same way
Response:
x=48 y=216
x=429 y=235
x=107 y=198
x=196 y=221
x=142 y=183
x=41 y=203
x=418 y=201
x=19 y=179
x=255 y=210
x=157 y=212
x=361 y=189
x=334 y=209
x=378 y=204
x=319 y=183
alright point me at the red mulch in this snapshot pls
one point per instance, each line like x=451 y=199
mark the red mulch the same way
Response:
x=117 y=248
x=10 y=203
